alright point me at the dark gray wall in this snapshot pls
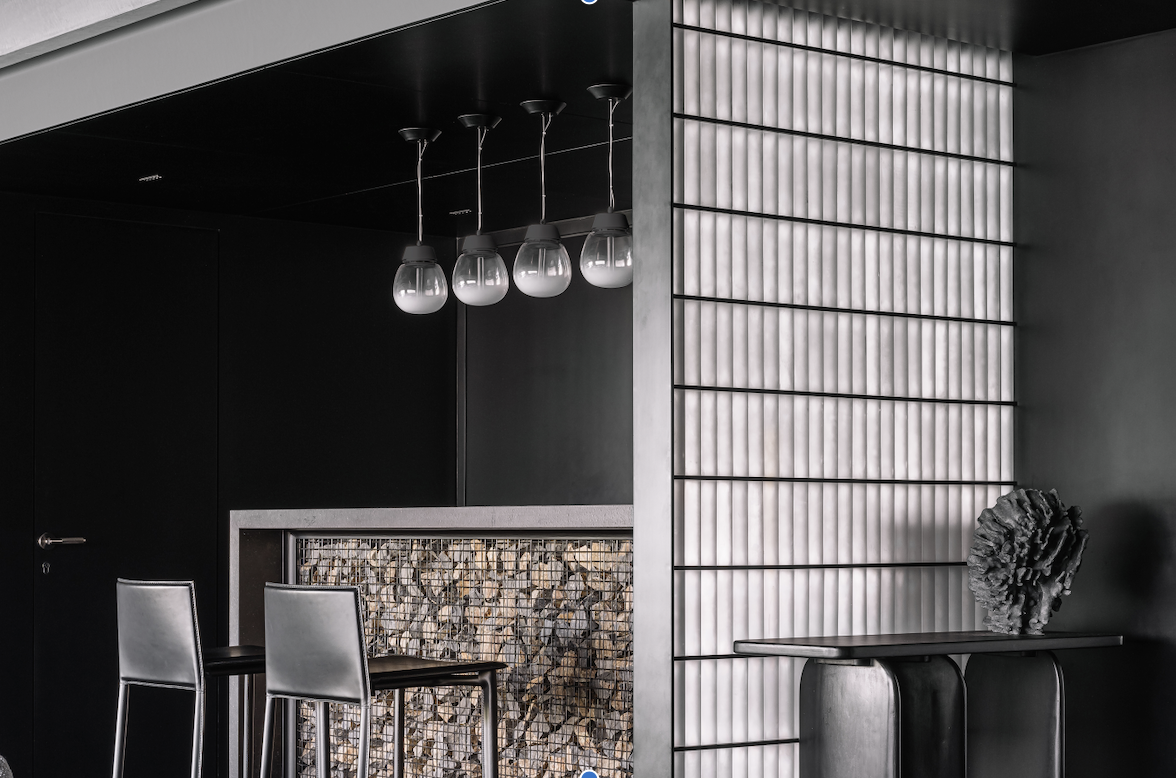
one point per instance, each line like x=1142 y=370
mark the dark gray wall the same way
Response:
x=1095 y=140
x=549 y=398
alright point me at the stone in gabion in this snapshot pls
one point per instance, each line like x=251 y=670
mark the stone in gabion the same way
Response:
x=1025 y=552
x=558 y=612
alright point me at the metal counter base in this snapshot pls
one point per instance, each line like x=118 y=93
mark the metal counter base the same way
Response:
x=896 y=706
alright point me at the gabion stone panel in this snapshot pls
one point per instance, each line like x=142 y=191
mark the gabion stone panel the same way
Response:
x=557 y=611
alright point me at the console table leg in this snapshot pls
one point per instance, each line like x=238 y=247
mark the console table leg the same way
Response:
x=1016 y=716
x=848 y=720
x=885 y=718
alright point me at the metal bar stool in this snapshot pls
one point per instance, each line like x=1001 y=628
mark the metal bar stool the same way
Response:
x=315 y=651
x=159 y=645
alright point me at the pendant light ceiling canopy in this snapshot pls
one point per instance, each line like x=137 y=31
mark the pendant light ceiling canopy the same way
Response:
x=542 y=267
x=607 y=257
x=419 y=286
x=480 y=277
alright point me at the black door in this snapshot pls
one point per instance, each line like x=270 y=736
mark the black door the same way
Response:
x=125 y=454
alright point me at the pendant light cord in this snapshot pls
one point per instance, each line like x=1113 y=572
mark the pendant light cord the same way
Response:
x=481 y=137
x=612 y=105
x=421 y=145
x=547 y=117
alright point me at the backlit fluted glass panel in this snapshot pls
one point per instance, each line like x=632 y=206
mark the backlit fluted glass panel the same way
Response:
x=843 y=349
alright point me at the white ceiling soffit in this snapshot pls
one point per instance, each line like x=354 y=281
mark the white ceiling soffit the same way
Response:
x=29 y=28
x=197 y=42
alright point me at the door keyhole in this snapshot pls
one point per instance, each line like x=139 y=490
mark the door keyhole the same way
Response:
x=45 y=568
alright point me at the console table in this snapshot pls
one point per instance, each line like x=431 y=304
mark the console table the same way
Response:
x=894 y=706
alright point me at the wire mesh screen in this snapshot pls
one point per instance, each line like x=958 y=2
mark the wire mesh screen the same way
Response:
x=558 y=612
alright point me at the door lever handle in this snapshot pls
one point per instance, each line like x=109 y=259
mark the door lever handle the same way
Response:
x=45 y=541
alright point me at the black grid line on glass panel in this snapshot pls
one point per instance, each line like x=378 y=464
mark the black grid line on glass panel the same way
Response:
x=847 y=225
x=833 y=309
x=840 y=139
x=843 y=395
x=865 y=481
x=830 y=566
x=845 y=54
x=748 y=744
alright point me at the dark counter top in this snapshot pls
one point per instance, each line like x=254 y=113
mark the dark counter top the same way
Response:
x=921 y=644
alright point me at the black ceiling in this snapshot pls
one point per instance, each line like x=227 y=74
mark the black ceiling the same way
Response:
x=315 y=139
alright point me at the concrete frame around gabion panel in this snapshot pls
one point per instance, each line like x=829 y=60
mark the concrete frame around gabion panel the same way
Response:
x=285 y=524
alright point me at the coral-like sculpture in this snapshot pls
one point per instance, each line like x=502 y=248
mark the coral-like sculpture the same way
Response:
x=1025 y=552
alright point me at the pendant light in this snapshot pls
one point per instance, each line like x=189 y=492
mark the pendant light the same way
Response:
x=607 y=257
x=420 y=285
x=542 y=267
x=480 y=277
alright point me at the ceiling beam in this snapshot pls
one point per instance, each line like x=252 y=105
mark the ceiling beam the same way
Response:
x=35 y=27
x=202 y=42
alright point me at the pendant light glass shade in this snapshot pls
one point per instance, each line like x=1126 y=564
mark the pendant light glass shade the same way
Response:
x=480 y=277
x=607 y=257
x=420 y=285
x=542 y=267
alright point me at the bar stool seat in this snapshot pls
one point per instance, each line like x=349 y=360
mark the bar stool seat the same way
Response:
x=315 y=651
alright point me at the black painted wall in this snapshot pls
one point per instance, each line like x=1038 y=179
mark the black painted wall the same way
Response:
x=330 y=396
x=1096 y=290
x=16 y=483
x=549 y=398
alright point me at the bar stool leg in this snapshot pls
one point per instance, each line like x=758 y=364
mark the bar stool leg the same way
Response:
x=267 y=737
x=365 y=733
x=322 y=746
x=247 y=729
x=489 y=683
x=120 y=730
x=398 y=733
x=198 y=734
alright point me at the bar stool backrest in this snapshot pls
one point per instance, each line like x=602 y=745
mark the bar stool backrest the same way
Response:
x=158 y=637
x=314 y=648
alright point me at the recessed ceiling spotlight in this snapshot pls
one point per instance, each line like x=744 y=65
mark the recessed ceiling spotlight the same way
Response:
x=152 y=177
x=461 y=212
